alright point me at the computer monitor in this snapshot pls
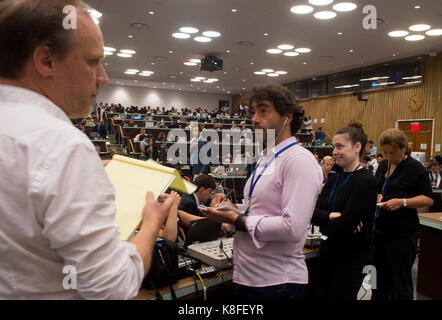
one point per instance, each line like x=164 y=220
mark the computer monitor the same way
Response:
x=202 y=230
x=138 y=117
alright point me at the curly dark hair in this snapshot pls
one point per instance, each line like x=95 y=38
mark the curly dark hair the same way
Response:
x=283 y=100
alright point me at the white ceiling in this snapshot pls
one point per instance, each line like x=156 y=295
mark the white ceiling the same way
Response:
x=252 y=19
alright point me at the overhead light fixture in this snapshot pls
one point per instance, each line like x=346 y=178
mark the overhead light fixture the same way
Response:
x=133 y=70
x=415 y=37
x=207 y=81
x=291 y=54
x=200 y=78
x=187 y=63
x=273 y=75
x=398 y=33
x=325 y=15
x=109 y=49
x=130 y=36
x=420 y=27
x=351 y=51
x=144 y=74
x=259 y=72
x=170 y=51
x=234 y=10
x=180 y=35
x=202 y=39
x=195 y=60
x=281 y=72
x=303 y=50
x=131 y=73
x=266 y=34
x=434 y=32
x=213 y=79
x=344 y=7
x=320 y=2
x=274 y=51
x=151 y=12
x=285 y=47
x=124 y=55
x=108 y=53
x=301 y=9
x=211 y=34
x=268 y=70
x=128 y=51
x=190 y=30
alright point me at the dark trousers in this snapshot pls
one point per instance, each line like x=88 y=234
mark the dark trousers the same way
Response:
x=341 y=277
x=282 y=292
x=394 y=261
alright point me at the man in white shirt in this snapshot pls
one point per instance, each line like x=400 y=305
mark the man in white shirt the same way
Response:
x=57 y=205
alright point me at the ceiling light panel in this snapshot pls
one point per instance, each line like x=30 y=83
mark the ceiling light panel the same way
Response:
x=344 y=7
x=301 y=9
x=325 y=15
x=179 y=35
x=320 y=2
x=190 y=30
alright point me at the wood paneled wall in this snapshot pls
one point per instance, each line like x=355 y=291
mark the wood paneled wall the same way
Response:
x=384 y=107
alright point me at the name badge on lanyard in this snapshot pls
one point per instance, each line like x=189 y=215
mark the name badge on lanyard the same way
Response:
x=253 y=182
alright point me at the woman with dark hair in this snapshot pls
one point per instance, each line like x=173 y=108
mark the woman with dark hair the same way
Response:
x=403 y=186
x=344 y=211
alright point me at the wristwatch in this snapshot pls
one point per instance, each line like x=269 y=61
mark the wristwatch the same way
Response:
x=404 y=202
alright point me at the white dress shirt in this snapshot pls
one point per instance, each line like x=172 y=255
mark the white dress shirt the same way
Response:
x=57 y=208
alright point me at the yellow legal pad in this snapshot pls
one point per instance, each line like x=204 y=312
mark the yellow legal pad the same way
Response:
x=132 y=179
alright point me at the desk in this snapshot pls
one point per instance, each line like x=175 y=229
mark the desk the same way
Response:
x=186 y=286
x=429 y=277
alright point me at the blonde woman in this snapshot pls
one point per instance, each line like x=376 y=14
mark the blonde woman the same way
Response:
x=403 y=186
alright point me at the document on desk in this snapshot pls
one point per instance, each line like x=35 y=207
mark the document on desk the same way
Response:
x=132 y=179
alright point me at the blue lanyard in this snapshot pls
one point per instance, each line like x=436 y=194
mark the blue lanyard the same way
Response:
x=253 y=182
x=332 y=204
x=387 y=182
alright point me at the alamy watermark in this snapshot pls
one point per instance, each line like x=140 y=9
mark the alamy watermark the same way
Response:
x=70 y=281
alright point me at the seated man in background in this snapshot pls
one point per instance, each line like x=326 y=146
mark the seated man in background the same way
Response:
x=434 y=174
x=139 y=137
x=190 y=202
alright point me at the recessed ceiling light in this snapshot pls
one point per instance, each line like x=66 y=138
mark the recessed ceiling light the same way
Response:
x=281 y=72
x=151 y=12
x=417 y=7
x=170 y=51
x=266 y=34
x=108 y=53
x=109 y=49
x=200 y=78
x=128 y=72
x=207 y=81
x=187 y=63
x=274 y=51
x=181 y=72
x=320 y=2
x=420 y=27
x=303 y=50
x=243 y=80
x=164 y=83
x=234 y=10
x=124 y=55
x=202 y=39
x=351 y=51
x=133 y=70
x=195 y=80
x=147 y=71
x=325 y=15
x=180 y=35
x=285 y=47
x=434 y=32
x=190 y=30
x=227 y=51
x=398 y=33
x=344 y=6
x=272 y=75
x=225 y=72
x=394 y=54
x=268 y=70
x=213 y=79
x=304 y=63
x=291 y=54
x=259 y=72
x=251 y=63
x=211 y=34
x=415 y=37
x=301 y=9
x=195 y=60
x=130 y=36
x=144 y=74
x=128 y=51
x=340 y=33
x=152 y=63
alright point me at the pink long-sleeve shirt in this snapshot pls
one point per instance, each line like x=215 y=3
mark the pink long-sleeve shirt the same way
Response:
x=280 y=210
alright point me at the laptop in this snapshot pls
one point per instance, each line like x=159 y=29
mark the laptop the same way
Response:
x=202 y=230
x=238 y=168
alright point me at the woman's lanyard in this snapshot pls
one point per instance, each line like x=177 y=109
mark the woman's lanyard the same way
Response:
x=331 y=202
x=254 y=182
x=386 y=183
